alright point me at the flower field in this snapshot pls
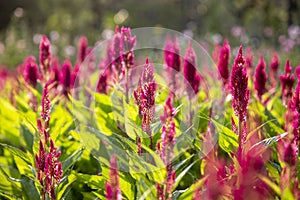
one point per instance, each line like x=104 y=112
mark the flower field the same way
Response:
x=115 y=124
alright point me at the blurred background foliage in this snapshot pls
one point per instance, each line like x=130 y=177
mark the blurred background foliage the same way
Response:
x=251 y=22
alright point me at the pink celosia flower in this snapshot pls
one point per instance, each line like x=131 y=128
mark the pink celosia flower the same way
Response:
x=216 y=53
x=31 y=73
x=189 y=71
x=102 y=83
x=45 y=54
x=66 y=77
x=112 y=188
x=260 y=78
x=45 y=106
x=239 y=86
x=168 y=131
x=82 y=49
x=287 y=81
x=159 y=191
x=172 y=54
x=223 y=64
x=274 y=70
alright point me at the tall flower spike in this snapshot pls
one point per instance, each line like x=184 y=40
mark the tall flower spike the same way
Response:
x=112 y=188
x=287 y=81
x=45 y=55
x=82 y=52
x=46 y=106
x=260 y=78
x=223 y=65
x=274 y=70
x=66 y=77
x=145 y=99
x=168 y=131
x=31 y=73
x=102 y=83
x=168 y=49
x=239 y=86
x=190 y=72
x=216 y=53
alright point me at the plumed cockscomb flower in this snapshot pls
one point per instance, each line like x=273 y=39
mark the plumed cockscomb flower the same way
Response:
x=102 y=83
x=287 y=81
x=144 y=97
x=45 y=54
x=49 y=169
x=82 y=49
x=274 y=70
x=223 y=65
x=216 y=53
x=168 y=131
x=66 y=77
x=249 y=58
x=46 y=106
x=260 y=78
x=159 y=192
x=31 y=73
x=239 y=86
x=172 y=54
x=189 y=71
x=55 y=74
x=112 y=188
x=128 y=41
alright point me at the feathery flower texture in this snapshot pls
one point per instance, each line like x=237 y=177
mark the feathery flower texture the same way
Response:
x=287 y=81
x=45 y=55
x=112 y=188
x=260 y=78
x=144 y=96
x=31 y=73
x=190 y=74
x=239 y=86
x=223 y=65
x=49 y=169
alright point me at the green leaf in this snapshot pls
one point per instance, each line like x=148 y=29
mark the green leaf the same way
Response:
x=17 y=152
x=70 y=161
x=29 y=188
x=64 y=187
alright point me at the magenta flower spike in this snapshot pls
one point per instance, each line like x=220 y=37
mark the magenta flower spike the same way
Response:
x=176 y=55
x=168 y=49
x=56 y=75
x=159 y=191
x=102 y=83
x=223 y=65
x=249 y=58
x=260 y=78
x=287 y=81
x=168 y=131
x=46 y=106
x=112 y=188
x=216 y=53
x=66 y=77
x=239 y=87
x=82 y=49
x=190 y=72
x=45 y=55
x=145 y=99
x=31 y=74
x=274 y=70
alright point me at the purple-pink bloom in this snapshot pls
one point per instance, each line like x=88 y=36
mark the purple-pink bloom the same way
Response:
x=223 y=65
x=66 y=77
x=168 y=131
x=82 y=52
x=112 y=188
x=260 y=78
x=159 y=191
x=189 y=71
x=239 y=86
x=172 y=54
x=287 y=81
x=45 y=54
x=274 y=70
x=45 y=114
x=102 y=83
x=31 y=74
